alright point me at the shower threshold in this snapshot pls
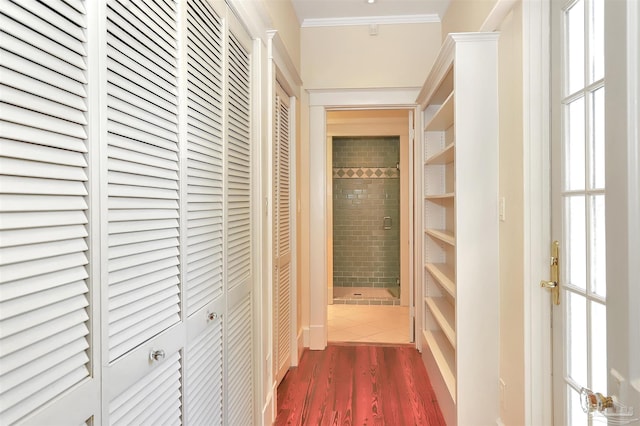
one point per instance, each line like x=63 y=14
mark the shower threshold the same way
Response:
x=366 y=296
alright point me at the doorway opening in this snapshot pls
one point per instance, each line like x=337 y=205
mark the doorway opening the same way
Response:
x=368 y=217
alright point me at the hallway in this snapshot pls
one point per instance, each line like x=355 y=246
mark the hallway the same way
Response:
x=358 y=385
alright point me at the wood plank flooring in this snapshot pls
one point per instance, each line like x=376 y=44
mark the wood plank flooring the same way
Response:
x=358 y=385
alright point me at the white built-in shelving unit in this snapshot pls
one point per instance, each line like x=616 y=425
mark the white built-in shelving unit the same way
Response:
x=460 y=279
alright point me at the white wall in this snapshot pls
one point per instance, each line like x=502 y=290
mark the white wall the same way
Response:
x=348 y=57
x=468 y=15
x=512 y=228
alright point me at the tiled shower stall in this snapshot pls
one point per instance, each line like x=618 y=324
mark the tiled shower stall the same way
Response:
x=366 y=220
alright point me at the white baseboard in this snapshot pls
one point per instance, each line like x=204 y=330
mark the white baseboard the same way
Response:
x=300 y=346
x=268 y=410
x=305 y=337
x=317 y=337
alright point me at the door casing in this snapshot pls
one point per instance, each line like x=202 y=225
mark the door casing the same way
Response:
x=319 y=209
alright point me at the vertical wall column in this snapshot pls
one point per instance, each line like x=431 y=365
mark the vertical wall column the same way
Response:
x=318 y=234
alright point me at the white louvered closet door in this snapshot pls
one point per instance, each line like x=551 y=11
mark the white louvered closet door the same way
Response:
x=126 y=249
x=204 y=155
x=204 y=379
x=45 y=343
x=142 y=257
x=240 y=378
x=282 y=236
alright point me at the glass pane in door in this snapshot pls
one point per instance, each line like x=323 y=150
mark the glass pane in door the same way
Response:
x=597 y=140
x=597 y=249
x=574 y=31
x=598 y=346
x=575 y=241
x=596 y=41
x=577 y=338
x=575 y=147
x=582 y=199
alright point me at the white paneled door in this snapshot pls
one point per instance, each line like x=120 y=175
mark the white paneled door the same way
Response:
x=590 y=204
x=143 y=174
x=239 y=331
x=204 y=275
x=578 y=203
x=46 y=345
x=282 y=277
x=126 y=214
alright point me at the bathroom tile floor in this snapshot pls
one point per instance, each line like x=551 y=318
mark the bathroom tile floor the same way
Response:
x=366 y=296
x=368 y=324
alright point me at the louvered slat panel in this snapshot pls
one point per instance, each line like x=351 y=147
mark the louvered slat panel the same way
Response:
x=240 y=377
x=27 y=84
x=12 y=358
x=164 y=9
x=26 y=116
x=204 y=155
x=43 y=247
x=143 y=212
x=16 y=167
x=130 y=161
x=204 y=380
x=284 y=316
x=141 y=225
x=141 y=72
x=154 y=399
x=122 y=239
x=284 y=176
x=238 y=156
x=41 y=153
x=20 y=55
x=71 y=10
x=25 y=133
x=17 y=237
x=138 y=27
x=57 y=22
x=26 y=26
x=282 y=291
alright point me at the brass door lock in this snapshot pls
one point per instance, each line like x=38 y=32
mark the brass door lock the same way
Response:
x=554 y=269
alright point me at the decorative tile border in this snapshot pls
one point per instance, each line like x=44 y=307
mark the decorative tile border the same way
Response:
x=366 y=173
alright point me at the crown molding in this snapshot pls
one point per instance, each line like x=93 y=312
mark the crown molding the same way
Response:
x=369 y=20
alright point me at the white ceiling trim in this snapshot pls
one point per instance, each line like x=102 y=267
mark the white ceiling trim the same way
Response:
x=368 y=20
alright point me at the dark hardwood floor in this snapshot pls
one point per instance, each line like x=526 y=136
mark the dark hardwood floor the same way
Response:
x=358 y=385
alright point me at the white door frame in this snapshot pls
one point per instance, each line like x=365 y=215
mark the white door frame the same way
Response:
x=537 y=212
x=319 y=102
x=281 y=71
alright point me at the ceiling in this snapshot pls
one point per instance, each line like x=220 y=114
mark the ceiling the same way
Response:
x=334 y=12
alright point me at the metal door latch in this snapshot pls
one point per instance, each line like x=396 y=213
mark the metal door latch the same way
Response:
x=554 y=269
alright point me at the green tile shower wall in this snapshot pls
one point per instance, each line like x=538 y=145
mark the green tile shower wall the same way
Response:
x=364 y=253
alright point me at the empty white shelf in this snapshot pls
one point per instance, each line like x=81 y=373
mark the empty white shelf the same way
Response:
x=444 y=236
x=443 y=118
x=445 y=316
x=443 y=274
x=445 y=358
x=443 y=157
